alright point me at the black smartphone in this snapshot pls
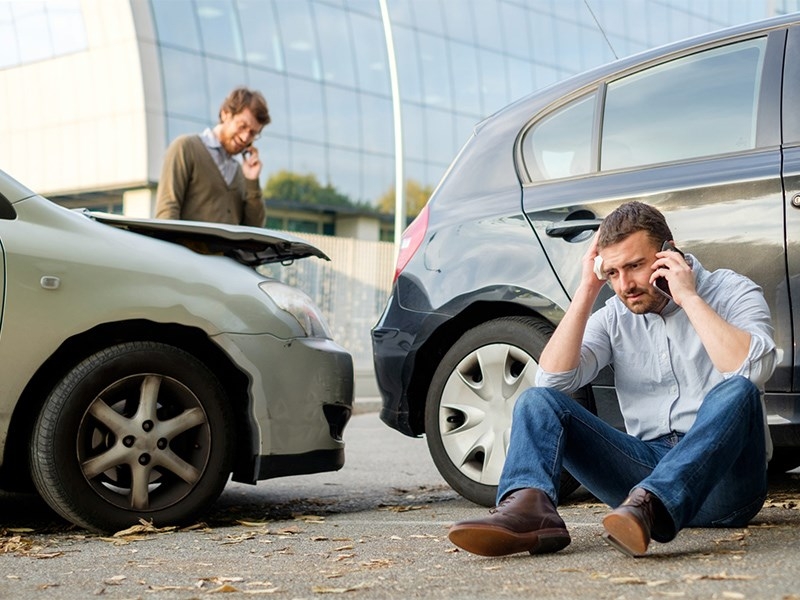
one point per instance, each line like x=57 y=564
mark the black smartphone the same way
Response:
x=661 y=284
x=247 y=152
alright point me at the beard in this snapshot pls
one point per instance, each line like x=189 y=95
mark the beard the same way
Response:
x=641 y=301
x=230 y=141
x=232 y=145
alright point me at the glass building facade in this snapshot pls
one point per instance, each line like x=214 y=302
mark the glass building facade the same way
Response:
x=325 y=68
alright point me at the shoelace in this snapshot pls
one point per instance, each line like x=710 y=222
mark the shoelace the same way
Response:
x=502 y=503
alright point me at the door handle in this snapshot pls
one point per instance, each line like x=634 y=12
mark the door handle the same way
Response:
x=569 y=228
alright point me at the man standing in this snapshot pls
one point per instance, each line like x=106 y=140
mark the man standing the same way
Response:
x=690 y=356
x=201 y=180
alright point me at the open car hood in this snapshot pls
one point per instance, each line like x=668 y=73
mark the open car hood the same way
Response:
x=250 y=246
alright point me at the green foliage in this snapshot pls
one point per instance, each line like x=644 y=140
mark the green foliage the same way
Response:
x=416 y=197
x=305 y=189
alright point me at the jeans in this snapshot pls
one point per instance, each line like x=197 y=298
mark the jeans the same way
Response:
x=714 y=475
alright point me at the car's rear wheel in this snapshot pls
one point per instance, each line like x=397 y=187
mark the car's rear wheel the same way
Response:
x=140 y=430
x=471 y=398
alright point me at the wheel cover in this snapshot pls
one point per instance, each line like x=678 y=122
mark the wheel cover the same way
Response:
x=476 y=408
x=144 y=442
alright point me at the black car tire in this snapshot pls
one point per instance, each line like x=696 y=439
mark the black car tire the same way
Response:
x=140 y=430
x=471 y=399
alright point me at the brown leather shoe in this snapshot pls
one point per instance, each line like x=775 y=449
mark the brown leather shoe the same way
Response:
x=628 y=526
x=525 y=521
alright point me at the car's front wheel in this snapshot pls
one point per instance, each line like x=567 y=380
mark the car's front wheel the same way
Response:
x=140 y=430
x=471 y=398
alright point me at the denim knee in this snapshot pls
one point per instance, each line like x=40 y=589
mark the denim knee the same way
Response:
x=738 y=386
x=738 y=390
x=536 y=398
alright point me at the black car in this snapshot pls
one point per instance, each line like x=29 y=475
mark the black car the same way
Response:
x=706 y=130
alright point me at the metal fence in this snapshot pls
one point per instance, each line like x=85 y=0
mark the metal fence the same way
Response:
x=351 y=289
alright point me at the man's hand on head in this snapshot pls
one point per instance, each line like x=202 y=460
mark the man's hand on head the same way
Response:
x=589 y=279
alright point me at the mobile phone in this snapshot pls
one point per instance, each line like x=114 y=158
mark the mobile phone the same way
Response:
x=247 y=152
x=661 y=284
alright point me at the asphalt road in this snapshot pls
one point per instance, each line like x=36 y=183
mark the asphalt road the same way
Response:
x=377 y=529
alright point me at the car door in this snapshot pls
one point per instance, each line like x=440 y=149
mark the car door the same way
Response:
x=695 y=134
x=791 y=177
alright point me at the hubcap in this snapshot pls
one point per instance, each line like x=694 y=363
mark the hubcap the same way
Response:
x=476 y=408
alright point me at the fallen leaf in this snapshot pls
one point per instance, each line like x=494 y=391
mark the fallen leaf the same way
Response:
x=344 y=557
x=45 y=555
x=734 y=537
x=627 y=580
x=167 y=588
x=46 y=586
x=143 y=527
x=377 y=563
x=223 y=589
x=331 y=590
x=309 y=518
x=222 y=580
x=238 y=539
x=719 y=577
x=252 y=523
x=25 y=547
x=399 y=508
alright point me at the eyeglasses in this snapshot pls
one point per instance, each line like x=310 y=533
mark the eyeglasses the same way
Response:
x=243 y=129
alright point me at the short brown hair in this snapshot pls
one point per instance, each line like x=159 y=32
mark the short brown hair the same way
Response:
x=241 y=98
x=629 y=218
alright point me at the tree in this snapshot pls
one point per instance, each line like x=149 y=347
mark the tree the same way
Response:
x=305 y=189
x=416 y=197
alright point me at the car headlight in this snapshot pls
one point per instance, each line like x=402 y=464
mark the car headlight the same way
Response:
x=298 y=304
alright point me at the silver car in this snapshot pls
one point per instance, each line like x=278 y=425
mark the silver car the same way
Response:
x=144 y=362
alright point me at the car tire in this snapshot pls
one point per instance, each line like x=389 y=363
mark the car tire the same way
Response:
x=140 y=430
x=471 y=398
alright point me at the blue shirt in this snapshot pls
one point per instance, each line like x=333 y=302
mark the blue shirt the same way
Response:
x=662 y=371
x=225 y=162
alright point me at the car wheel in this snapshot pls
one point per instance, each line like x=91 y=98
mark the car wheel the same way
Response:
x=140 y=430
x=471 y=399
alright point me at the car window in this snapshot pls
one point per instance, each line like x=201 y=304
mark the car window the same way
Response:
x=700 y=105
x=560 y=144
